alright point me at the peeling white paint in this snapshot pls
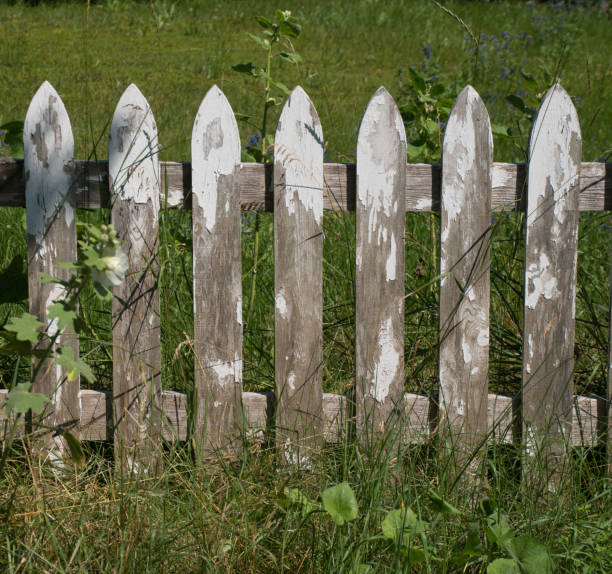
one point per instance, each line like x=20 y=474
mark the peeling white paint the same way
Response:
x=387 y=363
x=225 y=371
x=460 y=407
x=548 y=141
x=239 y=310
x=291 y=381
x=215 y=152
x=467 y=352
x=460 y=144
x=423 y=205
x=483 y=337
x=540 y=282
x=392 y=260
x=298 y=148
x=281 y=304
x=133 y=151
x=217 y=404
x=48 y=161
x=377 y=160
x=470 y=293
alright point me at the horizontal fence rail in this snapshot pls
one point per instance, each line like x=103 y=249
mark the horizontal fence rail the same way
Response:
x=509 y=184
x=381 y=187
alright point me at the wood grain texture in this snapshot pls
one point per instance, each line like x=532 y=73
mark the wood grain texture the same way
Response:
x=135 y=187
x=256 y=186
x=379 y=270
x=51 y=228
x=467 y=154
x=298 y=279
x=550 y=278
x=588 y=416
x=217 y=278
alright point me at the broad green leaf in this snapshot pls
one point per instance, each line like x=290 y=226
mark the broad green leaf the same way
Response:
x=26 y=327
x=531 y=555
x=263 y=22
x=499 y=130
x=340 y=503
x=437 y=90
x=21 y=400
x=503 y=566
x=74 y=445
x=242 y=117
x=432 y=127
x=261 y=41
x=290 y=28
x=532 y=84
x=472 y=549
x=65 y=315
x=516 y=101
x=416 y=555
x=400 y=524
x=247 y=68
x=296 y=496
x=442 y=506
x=414 y=151
x=74 y=367
x=498 y=530
x=417 y=81
x=291 y=57
x=13 y=346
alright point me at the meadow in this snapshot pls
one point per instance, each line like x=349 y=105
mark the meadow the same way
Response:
x=248 y=517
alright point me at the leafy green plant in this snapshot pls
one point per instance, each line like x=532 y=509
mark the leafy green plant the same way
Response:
x=276 y=43
x=100 y=259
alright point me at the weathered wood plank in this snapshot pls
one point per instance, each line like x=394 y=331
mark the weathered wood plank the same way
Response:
x=51 y=227
x=550 y=279
x=298 y=279
x=217 y=279
x=97 y=417
x=256 y=185
x=135 y=187
x=467 y=154
x=379 y=271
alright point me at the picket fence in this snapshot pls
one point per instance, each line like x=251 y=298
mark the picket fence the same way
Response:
x=553 y=188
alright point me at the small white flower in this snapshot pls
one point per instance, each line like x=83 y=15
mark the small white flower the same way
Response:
x=116 y=264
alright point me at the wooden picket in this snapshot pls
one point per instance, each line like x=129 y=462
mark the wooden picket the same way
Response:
x=134 y=182
x=551 y=252
x=298 y=278
x=379 y=269
x=51 y=226
x=215 y=152
x=381 y=187
x=467 y=153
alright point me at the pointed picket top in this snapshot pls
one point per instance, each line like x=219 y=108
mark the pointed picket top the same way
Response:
x=376 y=149
x=48 y=147
x=380 y=218
x=133 y=149
x=215 y=150
x=555 y=132
x=298 y=146
x=551 y=252
x=467 y=156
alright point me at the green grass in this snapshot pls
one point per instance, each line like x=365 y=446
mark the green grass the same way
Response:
x=231 y=518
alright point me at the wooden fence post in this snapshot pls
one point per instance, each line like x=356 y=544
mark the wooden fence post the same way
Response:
x=51 y=225
x=298 y=279
x=550 y=280
x=467 y=156
x=379 y=274
x=133 y=167
x=217 y=279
